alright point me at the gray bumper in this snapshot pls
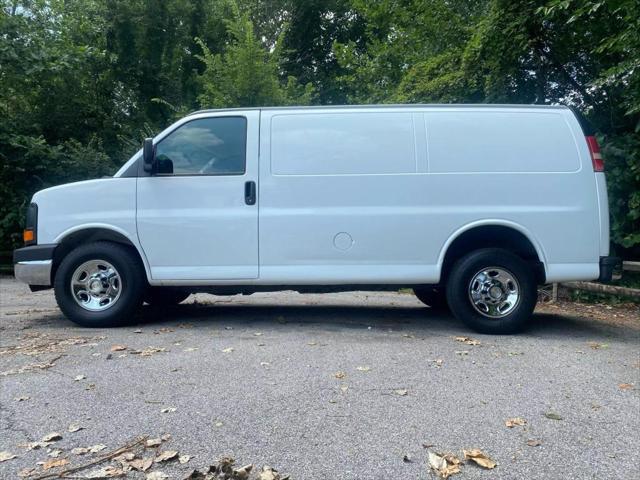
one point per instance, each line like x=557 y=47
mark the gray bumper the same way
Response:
x=34 y=272
x=32 y=265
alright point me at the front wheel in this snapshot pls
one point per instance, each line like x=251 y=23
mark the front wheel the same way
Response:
x=100 y=284
x=492 y=291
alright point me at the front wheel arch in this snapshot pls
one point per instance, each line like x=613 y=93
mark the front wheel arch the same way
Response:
x=83 y=236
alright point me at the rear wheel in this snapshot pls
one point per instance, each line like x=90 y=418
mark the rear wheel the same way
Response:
x=432 y=296
x=492 y=291
x=100 y=284
x=165 y=296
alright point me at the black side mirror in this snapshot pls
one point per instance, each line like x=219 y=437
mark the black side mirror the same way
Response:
x=148 y=155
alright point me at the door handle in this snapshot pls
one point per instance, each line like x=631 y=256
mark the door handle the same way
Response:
x=250 y=193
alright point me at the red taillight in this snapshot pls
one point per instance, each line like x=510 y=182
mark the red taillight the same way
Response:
x=596 y=156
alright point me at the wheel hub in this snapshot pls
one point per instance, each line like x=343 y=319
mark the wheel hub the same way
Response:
x=96 y=285
x=494 y=292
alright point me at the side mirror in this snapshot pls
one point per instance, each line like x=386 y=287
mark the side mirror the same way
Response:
x=148 y=155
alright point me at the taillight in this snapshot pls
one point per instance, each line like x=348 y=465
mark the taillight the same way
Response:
x=596 y=156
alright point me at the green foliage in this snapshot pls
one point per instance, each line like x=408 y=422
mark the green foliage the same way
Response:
x=83 y=81
x=247 y=73
x=623 y=183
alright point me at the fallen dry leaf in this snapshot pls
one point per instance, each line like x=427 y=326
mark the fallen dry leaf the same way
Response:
x=54 y=453
x=74 y=427
x=268 y=473
x=534 y=443
x=97 y=448
x=340 y=374
x=147 y=352
x=184 y=459
x=52 y=437
x=363 y=369
x=118 y=348
x=105 y=472
x=625 y=386
x=552 y=416
x=4 y=456
x=35 y=445
x=401 y=391
x=27 y=472
x=597 y=346
x=257 y=334
x=441 y=464
x=166 y=456
x=517 y=421
x=467 y=340
x=22 y=399
x=80 y=450
x=78 y=378
x=55 y=463
x=125 y=457
x=156 y=476
x=141 y=464
x=228 y=350
x=168 y=410
x=242 y=473
x=153 y=442
x=479 y=457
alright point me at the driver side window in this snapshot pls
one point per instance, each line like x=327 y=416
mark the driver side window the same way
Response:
x=207 y=146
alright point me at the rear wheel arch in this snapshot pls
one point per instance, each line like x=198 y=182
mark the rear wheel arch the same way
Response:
x=507 y=236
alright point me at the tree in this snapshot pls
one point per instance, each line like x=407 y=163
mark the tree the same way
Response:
x=247 y=74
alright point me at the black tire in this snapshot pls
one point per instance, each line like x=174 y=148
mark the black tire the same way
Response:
x=432 y=296
x=165 y=296
x=132 y=284
x=459 y=297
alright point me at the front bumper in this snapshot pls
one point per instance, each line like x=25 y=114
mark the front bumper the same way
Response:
x=607 y=266
x=32 y=265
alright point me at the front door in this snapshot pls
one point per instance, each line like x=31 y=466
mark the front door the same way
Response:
x=197 y=217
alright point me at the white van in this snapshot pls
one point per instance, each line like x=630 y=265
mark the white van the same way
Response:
x=469 y=205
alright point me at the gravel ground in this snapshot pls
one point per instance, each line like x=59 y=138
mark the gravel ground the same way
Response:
x=255 y=378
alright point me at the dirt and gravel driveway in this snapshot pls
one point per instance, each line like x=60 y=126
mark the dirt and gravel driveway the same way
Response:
x=336 y=386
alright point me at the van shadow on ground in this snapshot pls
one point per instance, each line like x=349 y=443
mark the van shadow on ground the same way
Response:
x=418 y=320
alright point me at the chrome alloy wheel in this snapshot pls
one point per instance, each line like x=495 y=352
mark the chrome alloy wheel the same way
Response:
x=96 y=285
x=494 y=292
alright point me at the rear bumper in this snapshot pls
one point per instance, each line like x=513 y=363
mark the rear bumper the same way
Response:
x=607 y=266
x=32 y=265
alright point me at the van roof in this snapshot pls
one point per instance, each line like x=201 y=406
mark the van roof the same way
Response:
x=412 y=105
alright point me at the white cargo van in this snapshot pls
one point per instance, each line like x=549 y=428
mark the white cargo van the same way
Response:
x=472 y=206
